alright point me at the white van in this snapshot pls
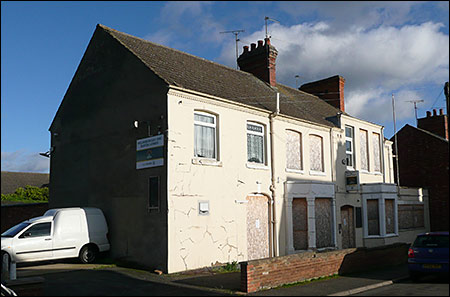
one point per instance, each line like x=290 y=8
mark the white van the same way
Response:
x=59 y=233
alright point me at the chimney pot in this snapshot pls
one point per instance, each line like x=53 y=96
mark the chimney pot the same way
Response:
x=441 y=111
x=434 y=111
x=253 y=46
x=245 y=48
x=428 y=114
x=267 y=40
x=260 y=43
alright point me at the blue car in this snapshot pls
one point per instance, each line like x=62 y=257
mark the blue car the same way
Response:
x=428 y=255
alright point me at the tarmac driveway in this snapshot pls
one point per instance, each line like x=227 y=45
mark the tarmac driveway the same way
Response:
x=66 y=279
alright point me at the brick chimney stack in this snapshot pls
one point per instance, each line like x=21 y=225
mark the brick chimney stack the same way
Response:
x=436 y=123
x=260 y=61
x=329 y=89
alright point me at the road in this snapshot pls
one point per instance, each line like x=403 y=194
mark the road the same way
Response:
x=428 y=286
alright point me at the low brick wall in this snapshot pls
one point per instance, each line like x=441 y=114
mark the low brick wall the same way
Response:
x=15 y=213
x=272 y=272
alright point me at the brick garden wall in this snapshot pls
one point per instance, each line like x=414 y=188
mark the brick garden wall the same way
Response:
x=273 y=272
x=14 y=214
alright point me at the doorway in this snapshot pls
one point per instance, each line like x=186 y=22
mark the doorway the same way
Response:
x=347 y=227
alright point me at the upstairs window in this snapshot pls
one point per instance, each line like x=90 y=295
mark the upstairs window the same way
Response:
x=255 y=143
x=349 y=147
x=376 y=152
x=205 y=137
x=364 y=149
x=316 y=153
x=293 y=150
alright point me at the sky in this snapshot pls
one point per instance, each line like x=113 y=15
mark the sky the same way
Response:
x=382 y=49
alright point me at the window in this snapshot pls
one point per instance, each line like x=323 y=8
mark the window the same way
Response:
x=364 y=149
x=373 y=216
x=153 y=193
x=293 y=150
x=255 y=143
x=376 y=152
x=205 y=138
x=316 y=153
x=42 y=229
x=349 y=147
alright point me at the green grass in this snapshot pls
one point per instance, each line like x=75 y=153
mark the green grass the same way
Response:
x=305 y=282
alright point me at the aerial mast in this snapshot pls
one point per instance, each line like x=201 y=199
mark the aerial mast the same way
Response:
x=235 y=32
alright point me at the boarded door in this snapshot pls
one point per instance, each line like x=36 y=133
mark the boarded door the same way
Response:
x=324 y=222
x=257 y=227
x=300 y=223
x=348 y=227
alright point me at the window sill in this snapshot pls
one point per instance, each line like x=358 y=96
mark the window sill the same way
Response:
x=206 y=162
x=318 y=173
x=257 y=166
x=295 y=171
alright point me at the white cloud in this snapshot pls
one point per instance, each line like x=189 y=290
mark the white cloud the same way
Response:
x=374 y=62
x=23 y=161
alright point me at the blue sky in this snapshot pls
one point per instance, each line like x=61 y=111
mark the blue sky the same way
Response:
x=380 y=48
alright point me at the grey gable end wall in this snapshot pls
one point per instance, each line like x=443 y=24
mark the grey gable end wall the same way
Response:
x=94 y=157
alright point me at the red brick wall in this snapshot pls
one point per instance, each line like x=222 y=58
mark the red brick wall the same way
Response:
x=14 y=214
x=435 y=123
x=330 y=89
x=273 y=272
x=423 y=161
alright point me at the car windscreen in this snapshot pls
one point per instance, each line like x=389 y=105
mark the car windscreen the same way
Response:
x=428 y=241
x=14 y=230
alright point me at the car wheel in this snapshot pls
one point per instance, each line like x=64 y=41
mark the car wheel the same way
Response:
x=88 y=254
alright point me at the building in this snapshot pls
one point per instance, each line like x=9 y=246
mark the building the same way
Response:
x=195 y=163
x=11 y=180
x=423 y=162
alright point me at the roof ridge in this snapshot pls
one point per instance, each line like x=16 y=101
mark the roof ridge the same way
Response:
x=428 y=132
x=172 y=49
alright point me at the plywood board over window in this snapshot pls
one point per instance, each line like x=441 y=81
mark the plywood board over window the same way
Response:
x=324 y=222
x=390 y=216
x=300 y=223
x=410 y=216
x=293 y=150
x=316 y=153
x=373 y=217
x=364 y=149
x=376 y=152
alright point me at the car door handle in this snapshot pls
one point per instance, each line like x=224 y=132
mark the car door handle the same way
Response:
x=47 y=239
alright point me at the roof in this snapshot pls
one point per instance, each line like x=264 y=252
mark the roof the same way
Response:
x=197 y=74
x=420 y=130
x=14 y=180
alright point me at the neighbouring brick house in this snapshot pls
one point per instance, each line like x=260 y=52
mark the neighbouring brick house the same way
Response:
x=194 y=163
x=423 y=162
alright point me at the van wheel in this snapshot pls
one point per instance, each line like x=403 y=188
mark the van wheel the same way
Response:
x=88 y=254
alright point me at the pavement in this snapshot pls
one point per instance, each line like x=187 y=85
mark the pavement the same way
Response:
x=112 y=280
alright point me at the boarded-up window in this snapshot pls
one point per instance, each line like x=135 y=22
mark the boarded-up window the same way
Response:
x=300 y=223
x=364 y=145
x=390 y=216
x=293 y=150
x=315 y=153
x=373 y=217
x=376 y=152
x=410 y=216
x=324 y=222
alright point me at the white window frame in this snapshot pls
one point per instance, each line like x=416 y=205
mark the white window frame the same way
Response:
x=210 y=125
x=351 y=139
x=263 y=134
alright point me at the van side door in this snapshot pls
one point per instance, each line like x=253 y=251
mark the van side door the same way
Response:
x=34 y=243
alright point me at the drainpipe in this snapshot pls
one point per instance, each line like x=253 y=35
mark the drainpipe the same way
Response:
x=273 y=185
x=382 y=154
